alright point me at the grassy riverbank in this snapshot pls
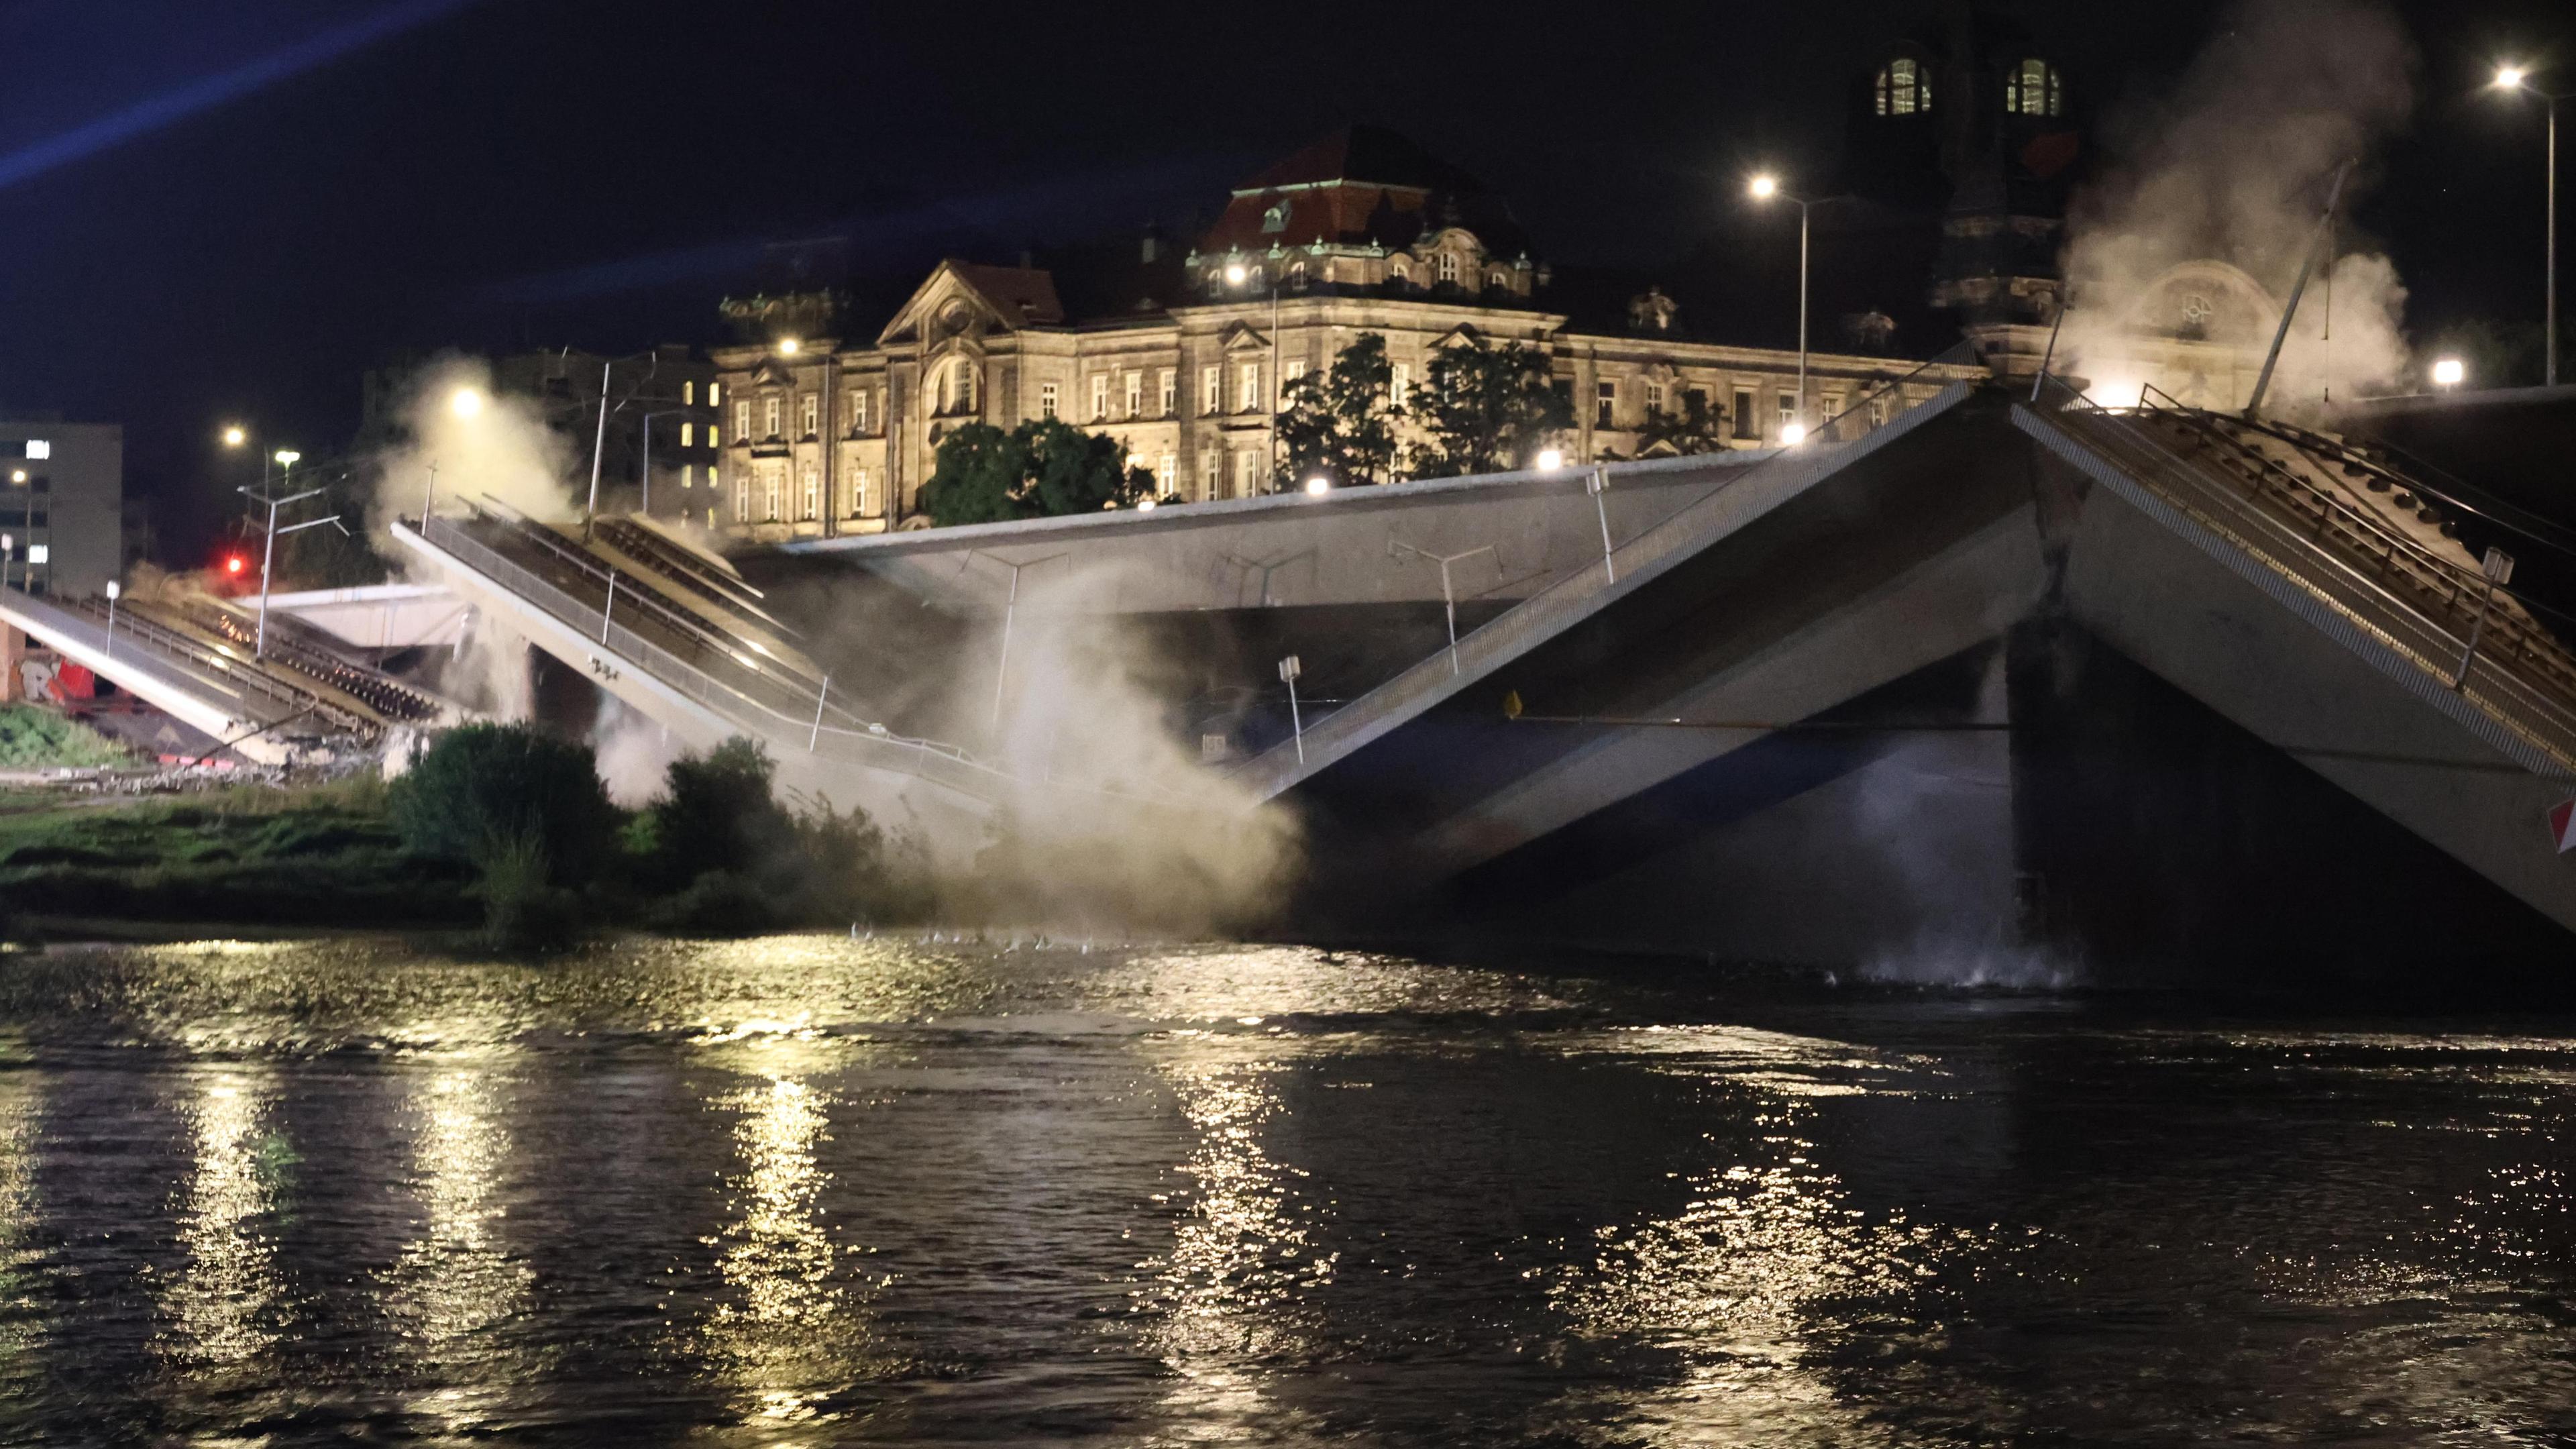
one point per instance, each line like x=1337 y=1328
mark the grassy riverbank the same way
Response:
x=322 y=855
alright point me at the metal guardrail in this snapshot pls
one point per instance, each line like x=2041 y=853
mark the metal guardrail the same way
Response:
x=244 y=676
x=2418 y=604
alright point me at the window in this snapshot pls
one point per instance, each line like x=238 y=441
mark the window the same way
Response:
x=1276 y=218
x=859 y=410
x=741 y=420
x=1247 y=476
x=1878 y=410
x=685 y=471
x=1697 y=399
x=741 y=501
x=1168 y=382
x=688 y=393
x=1135 y=395
x=813 y=493
x=1167 y=474
x=1788 y=402
x=1903 y=88
x=688 y=433
x=711 y=518
x=40 y=553
x=1449 y=266
x=769 y=409
x=1247 y=387
x=1211 y=473
x=1297 y=274
x=1099 y=396
x=715 y=393
x=1291 y=370
x=1400 y=383
x=1747 y=426
x=769 y=482
x=712 y=439
x=1402 y=272
x=1829 y=405
x=39 y=448
x=1046 y=399
x=809 y=416
x=1654 y=397
x=1211 y=390
x=859 y=502
x=1605 y=399
x=2032 y=89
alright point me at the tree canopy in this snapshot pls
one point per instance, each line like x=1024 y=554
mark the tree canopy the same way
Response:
x=1341 y=422
x=1043 y=468
x=1698 y=427
x=1485 y=409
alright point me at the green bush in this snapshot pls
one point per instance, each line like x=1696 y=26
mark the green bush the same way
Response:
x=486 y=788
x=731 y=858
x=34 y=738
x=523 y=910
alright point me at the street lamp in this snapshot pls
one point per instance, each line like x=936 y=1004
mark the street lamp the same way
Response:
x=2516 y=78
x=114 y=589
x=1234 y=277
x=1318 y=486
x=787 y=346
x=2448 y=372
x=466 y=402
x=1763 y=188
x=1550 y=459
x=236 y=435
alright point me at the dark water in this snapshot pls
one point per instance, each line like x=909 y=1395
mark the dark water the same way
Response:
x=809 y=1190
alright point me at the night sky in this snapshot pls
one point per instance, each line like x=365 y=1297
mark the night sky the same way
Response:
x=219 y=211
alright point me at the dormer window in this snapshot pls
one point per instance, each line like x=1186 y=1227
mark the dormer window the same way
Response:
x=1449 y=267
x=2032 y=88
x=1276 y=218
x=1903 y=88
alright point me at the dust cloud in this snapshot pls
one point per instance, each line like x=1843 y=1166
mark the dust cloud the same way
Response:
x=2235 y=168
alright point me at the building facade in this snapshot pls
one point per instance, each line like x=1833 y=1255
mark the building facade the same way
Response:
x=62 y=505
x=1181 y=355
x=657 y=447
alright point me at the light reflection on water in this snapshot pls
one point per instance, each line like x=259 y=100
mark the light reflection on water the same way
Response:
x=814 y=1190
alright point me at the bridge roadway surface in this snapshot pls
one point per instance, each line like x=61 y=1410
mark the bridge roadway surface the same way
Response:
x=1797 y=711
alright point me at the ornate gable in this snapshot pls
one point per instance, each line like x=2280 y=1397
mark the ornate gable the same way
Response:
x=964 y=299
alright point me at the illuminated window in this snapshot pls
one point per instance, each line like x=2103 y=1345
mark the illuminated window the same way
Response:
x=769 y=411
x=860 y=504
x=1291 y=370
x=1903 y=88
x=39 y=448
x=1168 y=384
x=1402 y=272
x=684 y=476
x=741 y=500
x=1099 y=396
x=1211 y=390
x=859 y=410
x=1046 y=399
x=1247 y=465
x=1605 y=401
x=1402 y=382
x=1247 y=387
x=813 y=494
x=769 y=484
x=1654 y=397
x=688 y=435
x=688 y=392
x=712 y=439
x=2032 y=89
x=715 y=393
x=1788 y=403
x=1211 y=473
x=711 y=518
x=742 y=419
x=809 y=415
x=961 y=385
x=1135 y=394
x=1167 y=474
x=1878 y=410
x=40 y=553
x=1448 y=266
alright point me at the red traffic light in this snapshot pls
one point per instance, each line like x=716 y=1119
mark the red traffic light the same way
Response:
x=233 y=563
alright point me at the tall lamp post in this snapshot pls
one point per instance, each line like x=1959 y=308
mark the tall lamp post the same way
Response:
x=1234 y=275
x=2516 y=78
x=1765 y=187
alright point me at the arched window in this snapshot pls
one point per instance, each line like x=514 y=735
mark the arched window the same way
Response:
x=1448 y=266
x=2032 y=88
x=1402 y=272
x=1904 y=87
x=961 y=385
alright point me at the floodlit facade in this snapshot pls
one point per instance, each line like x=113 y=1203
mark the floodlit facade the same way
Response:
x=1180 y=354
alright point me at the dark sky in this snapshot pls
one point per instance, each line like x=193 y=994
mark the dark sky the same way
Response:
x=216 y=211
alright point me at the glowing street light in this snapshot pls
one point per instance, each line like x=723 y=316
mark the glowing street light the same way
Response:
x=1147 y=504
x=236 y=435
x=2518 y=78
x=1763 y=188
x=17 y=475
x=1234 y=275
x=788 y=346
x=1550 y=459
x=2448 y=372
x=1318 y=486
x=466 y=402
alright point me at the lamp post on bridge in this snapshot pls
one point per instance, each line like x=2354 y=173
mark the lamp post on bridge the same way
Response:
x=2518 y=78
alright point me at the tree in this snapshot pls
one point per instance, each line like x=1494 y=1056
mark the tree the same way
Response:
x=1698 y=428
x=1040 y=469
x=1486 y=409
x=1341 y=422
x=486 y=793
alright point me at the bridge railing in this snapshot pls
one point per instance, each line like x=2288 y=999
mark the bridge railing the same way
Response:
x=2426 y=608
x=245 y=678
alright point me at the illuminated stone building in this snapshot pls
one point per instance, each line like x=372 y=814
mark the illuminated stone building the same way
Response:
x=1179 y=353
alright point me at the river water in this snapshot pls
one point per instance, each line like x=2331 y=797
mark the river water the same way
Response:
x=814 y=1190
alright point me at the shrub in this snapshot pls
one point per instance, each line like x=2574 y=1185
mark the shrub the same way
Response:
x=523 y=910
x=735 y=859
x=486 y=783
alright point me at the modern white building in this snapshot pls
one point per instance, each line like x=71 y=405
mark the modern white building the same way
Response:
x=62 y=505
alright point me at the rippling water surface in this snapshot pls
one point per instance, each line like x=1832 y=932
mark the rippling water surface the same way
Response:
x=814 y=1190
